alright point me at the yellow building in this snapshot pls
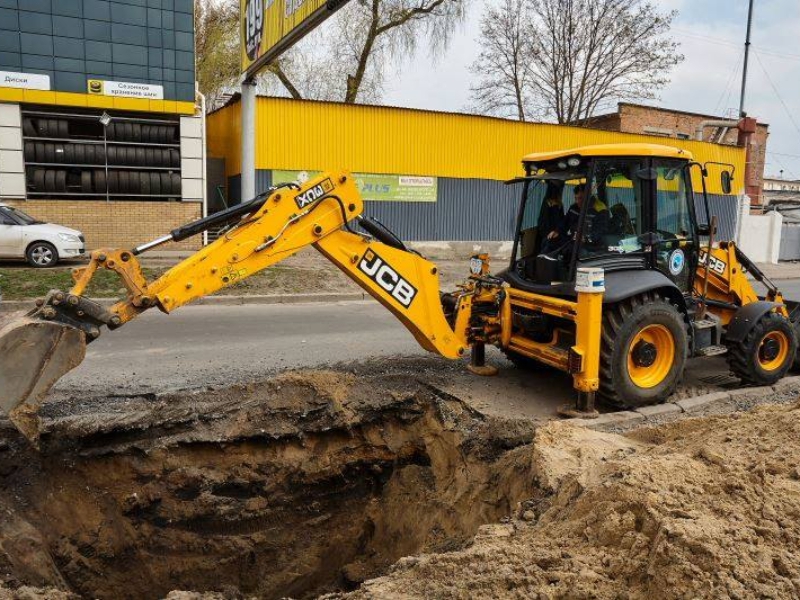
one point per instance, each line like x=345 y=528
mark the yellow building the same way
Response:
x=424 y=174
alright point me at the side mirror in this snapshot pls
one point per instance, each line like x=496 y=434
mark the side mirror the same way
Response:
x=725 y=181
x=705 y=229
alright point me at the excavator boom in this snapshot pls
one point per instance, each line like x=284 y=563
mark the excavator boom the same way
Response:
x=39 y=348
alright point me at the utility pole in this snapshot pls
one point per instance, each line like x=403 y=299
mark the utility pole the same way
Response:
x=742 y=113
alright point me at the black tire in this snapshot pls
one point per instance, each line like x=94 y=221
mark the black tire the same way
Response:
x=752 y=359
x=141 y=157
x=69 y=154
x=111 y=131
x=41 y=255
x=136 y=133
x=49 y=152
x=28 y=128
x=125 y=182
x=100 y=183
x=166 y=184
x=80 y=154
x=41 y=127
x=111 y=155
x=155 y=184
x=61 y=181
x=39 y=151
x=100 y=155
x=30 y=152
x=175 y=157
x=627 y=343
x=144 y=184
x=113 y=182
x=59 y=153
x=50 y=181
x=176 y=184
x=38 y=180
x=63 y=129
x=86 y=182
x=146 y=136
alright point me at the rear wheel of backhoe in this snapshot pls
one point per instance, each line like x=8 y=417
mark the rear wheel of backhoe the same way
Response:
x=643 y=351
x=767 y=353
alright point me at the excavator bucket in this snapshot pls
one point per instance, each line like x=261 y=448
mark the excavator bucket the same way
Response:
x=34 y=355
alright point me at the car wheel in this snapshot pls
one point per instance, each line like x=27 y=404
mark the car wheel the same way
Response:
x=42 y=255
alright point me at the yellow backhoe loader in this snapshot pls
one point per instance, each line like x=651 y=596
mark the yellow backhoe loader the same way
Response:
x=614 y=279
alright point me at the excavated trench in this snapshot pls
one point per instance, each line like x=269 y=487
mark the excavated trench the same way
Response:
x=308 y=483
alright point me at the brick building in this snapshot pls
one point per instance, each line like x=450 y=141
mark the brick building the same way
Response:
x=651 y=120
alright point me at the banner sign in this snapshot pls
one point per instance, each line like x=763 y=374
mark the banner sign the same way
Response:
x=376 y=187
x=121 y=89
x=27 y=81
x=270 y=27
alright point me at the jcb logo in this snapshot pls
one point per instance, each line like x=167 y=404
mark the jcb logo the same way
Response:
x=314 y=194
x=386 y=277
x=715 y=265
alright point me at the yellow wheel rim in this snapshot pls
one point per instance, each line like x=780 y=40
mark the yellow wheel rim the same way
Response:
x=650 y=356
x=773 y=350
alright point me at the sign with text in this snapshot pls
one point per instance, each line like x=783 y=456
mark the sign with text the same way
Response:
x=27 y=81
x=121 y=89
x=377 y=187
x=270 y=27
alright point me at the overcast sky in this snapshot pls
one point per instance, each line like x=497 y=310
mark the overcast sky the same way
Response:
x=711 y=34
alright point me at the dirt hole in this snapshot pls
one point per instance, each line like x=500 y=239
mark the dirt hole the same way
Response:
x=308 y=483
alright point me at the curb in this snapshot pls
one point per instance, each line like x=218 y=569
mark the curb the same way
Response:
x=16 y=305
x=687 y=405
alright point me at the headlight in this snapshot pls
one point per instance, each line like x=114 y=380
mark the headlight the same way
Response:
x=573 y=162
x=68 y=237
x=475 y=265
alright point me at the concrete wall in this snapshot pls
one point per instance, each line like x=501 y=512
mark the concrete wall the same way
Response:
x=760 y=237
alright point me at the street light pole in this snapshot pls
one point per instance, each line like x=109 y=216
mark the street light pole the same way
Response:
x=742 y=113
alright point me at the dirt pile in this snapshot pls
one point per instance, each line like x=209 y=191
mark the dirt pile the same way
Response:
x=703 y=508
x=307 y=483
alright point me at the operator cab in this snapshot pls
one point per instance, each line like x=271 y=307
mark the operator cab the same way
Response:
x=619 y=207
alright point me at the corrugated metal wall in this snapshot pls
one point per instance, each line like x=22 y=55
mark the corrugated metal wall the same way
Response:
x=475 y=210
x=306 y=135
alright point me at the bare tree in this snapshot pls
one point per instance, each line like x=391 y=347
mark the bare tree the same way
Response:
x=502 y=67
x=217 y=47
x=347 y=58
x=577 y=57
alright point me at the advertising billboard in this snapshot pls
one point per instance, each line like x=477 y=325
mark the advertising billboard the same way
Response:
x=270 y=27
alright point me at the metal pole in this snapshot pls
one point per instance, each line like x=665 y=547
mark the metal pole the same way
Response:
x=248 y=140
x=742 y=113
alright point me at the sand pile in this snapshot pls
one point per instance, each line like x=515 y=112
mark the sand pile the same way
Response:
x=703 y=508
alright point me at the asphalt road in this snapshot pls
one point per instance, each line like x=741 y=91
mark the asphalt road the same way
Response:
x=227 y=344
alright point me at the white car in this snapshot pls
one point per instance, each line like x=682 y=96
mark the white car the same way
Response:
x=41 y=244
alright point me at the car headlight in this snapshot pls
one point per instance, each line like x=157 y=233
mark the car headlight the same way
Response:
x=68 y=237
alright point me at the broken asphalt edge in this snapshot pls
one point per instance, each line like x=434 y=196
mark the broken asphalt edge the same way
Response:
x=15 y=305
x=685 y=405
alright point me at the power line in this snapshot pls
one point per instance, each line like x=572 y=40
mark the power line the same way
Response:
x=733 y=44
x=783 y=154
x=777 y=93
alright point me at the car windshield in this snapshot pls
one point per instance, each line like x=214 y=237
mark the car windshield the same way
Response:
x=22 y=217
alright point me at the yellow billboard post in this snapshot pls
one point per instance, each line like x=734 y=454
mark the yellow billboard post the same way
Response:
x=270 y=27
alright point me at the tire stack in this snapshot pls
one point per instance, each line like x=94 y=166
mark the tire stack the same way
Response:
x=68 y=156
x=142 y=182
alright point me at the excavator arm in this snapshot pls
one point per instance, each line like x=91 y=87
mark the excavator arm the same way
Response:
x=41 y=347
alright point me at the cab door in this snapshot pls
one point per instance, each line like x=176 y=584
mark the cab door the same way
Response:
x=675 y=248
x=10 y=235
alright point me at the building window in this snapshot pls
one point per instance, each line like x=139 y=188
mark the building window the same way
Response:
x=73 y=155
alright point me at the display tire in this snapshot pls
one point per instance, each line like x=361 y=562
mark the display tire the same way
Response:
x=30 y=152
x=113 y=182
x=28 y=128
x=61 y=181
x=155 y=184
x=49 y=152
x=50 y=181
x=38 y=180
x=100 y=181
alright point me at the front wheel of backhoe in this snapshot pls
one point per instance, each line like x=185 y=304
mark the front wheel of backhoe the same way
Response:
x=767 y=353
x=643 y=353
